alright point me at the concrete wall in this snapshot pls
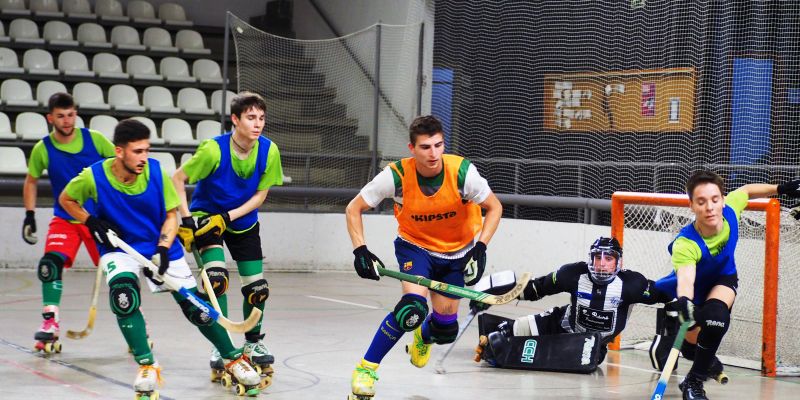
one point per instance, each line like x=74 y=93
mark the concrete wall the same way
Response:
x=311 y=242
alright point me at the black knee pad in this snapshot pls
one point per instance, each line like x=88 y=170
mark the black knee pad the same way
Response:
x=443 y=333
x=256 y=292
x=409 y=312
x=714 y=319
x=195 y=315
x=50 y=267
x=209 y=239
x=123 y=296
x=218 y=277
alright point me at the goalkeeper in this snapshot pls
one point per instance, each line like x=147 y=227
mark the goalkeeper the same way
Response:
x=601 y=295
x=704 y=279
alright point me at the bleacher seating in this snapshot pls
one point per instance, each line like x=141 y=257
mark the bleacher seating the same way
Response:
x=109 y=10
x=9 y=64
x=193 y=101
x=207 y=129
x=158 y=39
x=167 y=161
x=14 y=7
x=3 y=37
x=185 y=157
x=23 y=30
x=158 y=99
x=154 y=138
x=45 y=89
x=89 y=96
x=45 y=8
x=142 y=12
x=6 y=133
x=190 y=42
x=12 y=161
x=30 y=126
x=16 y=92
x=74 y=64
x=124 y=98
x=126 y=37
x=173 y=14
x=91 y=34
x=175 y=69
x=177 y=132
x=216 y=101
x=104 y=124
x=77 y=9
x=206 y=71
x=142 y=68
x=39 y=62
x=58 y=33
x=107 y=65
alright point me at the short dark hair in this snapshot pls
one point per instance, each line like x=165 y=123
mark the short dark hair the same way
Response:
x=60 y=100
x=704 y=176
x=423 y=125
x=244 y=101
x=130 y=130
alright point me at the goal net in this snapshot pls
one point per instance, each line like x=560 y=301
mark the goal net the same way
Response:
x=339 y=109
x=762 y=333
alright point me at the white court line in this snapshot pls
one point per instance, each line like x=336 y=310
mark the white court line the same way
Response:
x=345 y=302
x=641 y=369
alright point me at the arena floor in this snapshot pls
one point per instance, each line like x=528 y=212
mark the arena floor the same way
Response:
x=318 y=325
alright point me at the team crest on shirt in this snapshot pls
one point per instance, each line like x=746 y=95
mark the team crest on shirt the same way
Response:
x=615 y=301
x=407 y=266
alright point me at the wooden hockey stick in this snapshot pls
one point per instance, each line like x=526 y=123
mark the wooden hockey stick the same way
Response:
x=466 y=293
x=658 y=394
x=440 y=362
x=92 y=309
x=204 y=276
x=169 y=282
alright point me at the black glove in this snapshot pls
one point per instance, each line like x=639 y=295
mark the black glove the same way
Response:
x=795 y=212
x=29 y=228
x=474 y=263
x=162 y=256
x=186 y=232
x=366 y=263
x=99 y=227
x=685 y=309
x=791 y=188
x=477 y=306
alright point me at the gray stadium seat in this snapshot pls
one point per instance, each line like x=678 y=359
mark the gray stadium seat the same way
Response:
x=3 y=37
x=45 y=89
x=45 y=8
x=12 y=161
x=92 y=35
x=39 y=62
x=78 y=9
x=79 y=122
x=175 y=69
x=158 y=99
x=6 y=133
x=142 y=12
x=107 y=65
x=158 y=39
x=154 y=139
x=216 y=101
x=109 y=10
x=9 y=64
x=72 y=63
x=207 y=129
x=173 y=14
x=24 y=30
x=89 y=96
x=206 y=71
x=31 y=126
x=104 y=124
x=58 y=33
x=142 y=68
x=16 y=92
x=186 y=157
x=177 y=132
x=14 y=7
x=124 y=98
x=190 y=42
x=193 y=101
x=126 y=37
x=167 y=161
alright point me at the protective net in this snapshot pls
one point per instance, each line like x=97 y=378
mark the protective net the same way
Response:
x=338 y=109
x=584 y=98
x=647 y=232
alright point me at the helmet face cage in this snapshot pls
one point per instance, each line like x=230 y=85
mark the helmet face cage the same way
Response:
x=605 y=247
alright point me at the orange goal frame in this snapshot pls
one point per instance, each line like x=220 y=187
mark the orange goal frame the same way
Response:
x=772 y=207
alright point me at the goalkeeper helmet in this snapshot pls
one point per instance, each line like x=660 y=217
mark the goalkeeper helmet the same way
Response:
x=605 y=270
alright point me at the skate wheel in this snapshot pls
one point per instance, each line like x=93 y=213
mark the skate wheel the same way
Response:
x=57 y=347
x=225 y=380
x=155 y=395
x=257 y=368
x=240 y=389
x=722 y=378
x=265 y=382
x=216 y=375
x=48 y=348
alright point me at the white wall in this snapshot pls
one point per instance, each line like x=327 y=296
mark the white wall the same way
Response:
x=211 y=12
x=311 y=242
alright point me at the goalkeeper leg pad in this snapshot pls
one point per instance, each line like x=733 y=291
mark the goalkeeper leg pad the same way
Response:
x=566 y=352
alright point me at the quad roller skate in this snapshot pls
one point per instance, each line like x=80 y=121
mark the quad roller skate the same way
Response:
x=147 y=381
x=717 y=373
x=241 y=377
x=261 y=359
x=47 y=335
x=217 y=365
x=419 y=351
x=363 y=382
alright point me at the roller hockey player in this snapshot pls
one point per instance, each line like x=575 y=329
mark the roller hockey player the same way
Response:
x=135 y=199
x=600 y=295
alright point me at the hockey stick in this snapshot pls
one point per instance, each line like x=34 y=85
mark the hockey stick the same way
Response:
x=658 y=394
x=466 y=293
x=206 y=282
x=440 y=362
x=92 y=309
x=169 y=282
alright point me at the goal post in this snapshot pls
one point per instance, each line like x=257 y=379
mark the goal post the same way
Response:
x=656 y=218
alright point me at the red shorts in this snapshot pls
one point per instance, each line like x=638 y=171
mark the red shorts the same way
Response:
x=65 y=237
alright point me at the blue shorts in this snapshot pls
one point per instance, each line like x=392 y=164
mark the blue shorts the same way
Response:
x=415 y=261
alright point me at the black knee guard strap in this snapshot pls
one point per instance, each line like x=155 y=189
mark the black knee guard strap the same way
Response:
x=410 y=311
x=256 y=292
x=123 y=295
x=208 y=239
x=443 y=333
x=218 y=277
x=50 y=267
x=714 y=319
x=195 y=315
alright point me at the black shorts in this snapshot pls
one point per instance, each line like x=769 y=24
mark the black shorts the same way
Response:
x=549 y=322
x=731 y=281
x=244 y=246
